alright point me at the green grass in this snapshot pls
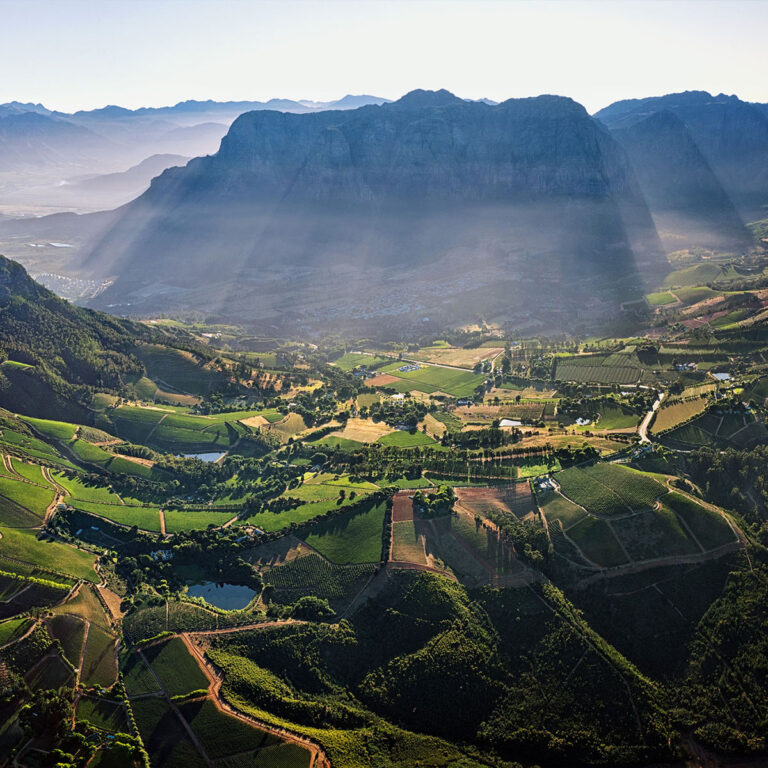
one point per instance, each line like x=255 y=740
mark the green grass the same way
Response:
x=32 y=497
x=708 y=526
x=31 y=472
x=276 y=521
x=146 y=518
x=103 y=714
x=13 y=628
x=58 y=430
x=698 y=274
x=334 y=441
x=138 y=677
x=177 y=369
x=79 y=489
x=50 y=673
x=695 y=294
x=557 y=507
x=164 y=736
x=655 y=533
x=177 y=671
x=15 y=516
x=431 y=378
x=354 y=359
x=660 y=299
x=91 y=454
x=353 y=538
x=24 y=545
x=70 y=632
x=99 y=663
x=190 y=520
x=221 y=734
x=403 y=439
x=597 y=542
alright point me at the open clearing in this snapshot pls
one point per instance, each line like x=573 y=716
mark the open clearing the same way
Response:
x=363 y=430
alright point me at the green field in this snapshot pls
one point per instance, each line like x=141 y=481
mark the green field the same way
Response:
x=353 y=538
x=403 y=439
x=557 y=507
x=177 y=369
x=58 y=430
x=609 y=489
x=146 y=518
x=32 y=497
x=31 y=472
x=189 y=520
x=352 y=360
x=164 y=736
x=597 y=542
x=219 y=733
x=24 y=545
x=103 y=714
x=655 y=533
x=177 y=671
x=660 y=299
x=432 y=378
x=70 y=632
x=709 y=527
x=90 y=453
x=99 y=663
x=343 y=443
x=138 y=677
x=13 y=629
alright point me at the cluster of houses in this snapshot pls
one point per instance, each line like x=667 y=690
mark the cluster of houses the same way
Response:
x=408 y=368
x=686 y=367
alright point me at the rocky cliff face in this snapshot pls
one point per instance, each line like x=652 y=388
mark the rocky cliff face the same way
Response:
x=683 y=193
x=731 y=134
x=415 y=184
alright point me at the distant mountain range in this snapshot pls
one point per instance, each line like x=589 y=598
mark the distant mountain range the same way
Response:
x=427 y=207
x=40 y=147
x=431 y=209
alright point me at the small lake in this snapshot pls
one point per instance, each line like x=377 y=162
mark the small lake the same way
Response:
x=214 y=456
x=230 y=597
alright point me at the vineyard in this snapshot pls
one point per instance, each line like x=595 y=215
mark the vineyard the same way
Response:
x=610 y=489
x=313 y=575
x=515 y=499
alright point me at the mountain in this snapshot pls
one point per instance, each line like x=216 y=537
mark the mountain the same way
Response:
x=30 y=139
x=688 y=203
x=731 y=134
x=429 y=207
x=114 y=189
x=59 y=352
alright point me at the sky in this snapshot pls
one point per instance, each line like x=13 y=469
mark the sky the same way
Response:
x=82 y=54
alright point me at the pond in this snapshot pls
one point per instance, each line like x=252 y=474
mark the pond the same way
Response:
x=230 y=597
x=213 y=456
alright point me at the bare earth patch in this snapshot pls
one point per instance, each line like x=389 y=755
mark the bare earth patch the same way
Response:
x=254 y=421
x=363 y=430
x=382 y=380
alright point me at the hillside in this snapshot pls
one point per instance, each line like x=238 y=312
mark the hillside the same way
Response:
x=686 y=198
x=58 y=353
x=313 y=212
x=731 y=134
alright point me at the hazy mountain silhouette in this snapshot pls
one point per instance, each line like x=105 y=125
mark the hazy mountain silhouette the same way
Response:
x=731 y=134
x=428 y=185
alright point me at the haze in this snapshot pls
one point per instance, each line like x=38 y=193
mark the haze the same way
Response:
x=84 y=54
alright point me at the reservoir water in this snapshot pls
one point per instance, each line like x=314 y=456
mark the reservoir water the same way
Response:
x=230 y=597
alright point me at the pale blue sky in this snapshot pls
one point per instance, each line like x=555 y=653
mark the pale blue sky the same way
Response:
x=72 y=54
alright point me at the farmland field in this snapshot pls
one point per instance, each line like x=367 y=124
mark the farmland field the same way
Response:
x=104 y=714
x=671 y=415
x=58 y=430
x=176 y=669
x=99 y=663
x=146 y=518
x=596 y=540
x=189 y=520
x=178 y=369
x=13 y=629
x=32 y=497
x=313 y=575
x=70 y=632
x=363 y=430
x=164 y=736
x=353 y=538
x=557 y=507
x=515 y=499
x=221 y=734
x=660 y=299
x=52 y=672
x=351 y=360
x=458 y=356
x=86 y=605
x=655 y=533
x=24 y=545
x=430 y=378
x=609 y=489
x=407 y=543
x=137 y=676
x=709 y=527
x=403 y=439
x=31 y=472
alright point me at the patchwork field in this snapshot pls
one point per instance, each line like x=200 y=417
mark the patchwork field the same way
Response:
x=353 y=538
x=516 y=500
x=430 y=378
